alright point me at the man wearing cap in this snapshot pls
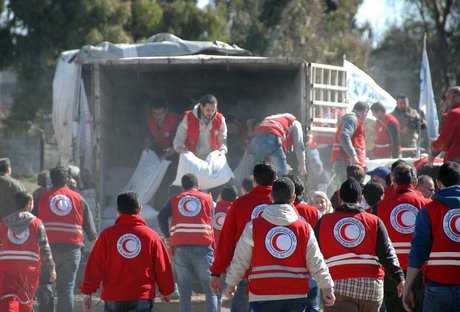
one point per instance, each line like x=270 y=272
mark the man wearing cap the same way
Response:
x=349 y=145
x=9 y=187
x=387 y=143
x=380 y=175
x=355 y=245
x=398 y=212
x=202 y=130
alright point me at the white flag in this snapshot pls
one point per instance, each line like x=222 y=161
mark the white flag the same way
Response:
x=427 y=103
x=84 y=138
x=361 y=87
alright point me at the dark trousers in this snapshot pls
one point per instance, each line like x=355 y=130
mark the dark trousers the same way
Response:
x=393 y=303
x=287 y=305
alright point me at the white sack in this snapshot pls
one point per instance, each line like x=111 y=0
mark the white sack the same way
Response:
x=211 y=173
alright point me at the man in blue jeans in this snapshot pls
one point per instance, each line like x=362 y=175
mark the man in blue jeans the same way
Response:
x=191 y=238
x=436 y=243
x=65 y=215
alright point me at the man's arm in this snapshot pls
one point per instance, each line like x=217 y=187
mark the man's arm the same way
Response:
x=163 y=219
x=181 y=136
x=222 y=137
x=162 y=269
x=88 y=222
x=448 y=129
x=395 y=139
x=387 y=254
x=45 y=253
x=299 y=146
x=349 y=126
x=316 y=264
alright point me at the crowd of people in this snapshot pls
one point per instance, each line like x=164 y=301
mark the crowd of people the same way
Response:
x=390 y=244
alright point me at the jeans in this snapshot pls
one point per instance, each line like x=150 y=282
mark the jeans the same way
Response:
x=444 y=298
x=189 y=259
x=45 y=297
x=67 y=264
x=269 y=146
x=393 y=303
x=240 y=302
x=287 y=305
x=141 y=305
x=313 y=295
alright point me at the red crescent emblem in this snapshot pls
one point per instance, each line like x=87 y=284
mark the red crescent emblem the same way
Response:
x=220 y=220
x=344 y=234
x=17 y=236
x=58 y=205
x=125 y=247
x=454 y=225
x=185 y=205
x=275 y=241
x=402 y=216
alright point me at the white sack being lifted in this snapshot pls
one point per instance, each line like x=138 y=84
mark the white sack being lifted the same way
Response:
x=211 y=173
x=147 y=177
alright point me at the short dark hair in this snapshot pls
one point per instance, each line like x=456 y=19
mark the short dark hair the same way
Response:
x=248 y=183
x=282 y=190
x=378 y=107
x=188 y=181
x=299 y=188
x=157 y=103
x=404 y=174
x=59 y=175
x=23 y=199
x=229 y=192
x=373 y=192
x=128 y=203
x=424 y=178
x=397 y=163
x=401 y=96
x=264 y=173
x=208 y=99
x=357 y=172
x=449 y=174
x=361 y=106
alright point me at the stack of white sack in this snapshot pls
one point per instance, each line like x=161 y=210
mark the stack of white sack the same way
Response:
x=211 y=173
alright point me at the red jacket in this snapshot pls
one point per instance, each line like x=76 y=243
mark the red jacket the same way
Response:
x=218 y=218
x=449 y=137
x=164 y=136
x=358 y=139
x=307 y=212
x=279 y=270
x=61 y=211
x=280 y=126
x=398 y=213
x=348 y=242
x=129 y=259
x=191 y=222
x=20 y=253
x=193 y=130
x=241 y=211
x=443 y=265
x=383 y=141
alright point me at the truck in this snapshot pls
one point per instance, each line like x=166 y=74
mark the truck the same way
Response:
x=107 y=101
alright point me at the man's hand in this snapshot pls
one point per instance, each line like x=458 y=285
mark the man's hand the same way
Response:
x=230 y=292
x=222 y=152
x=165 y=299
x=408 y=299
x=87 y=304
x=400 y=288
x=52 y=276
x=328 y=297
x=215 y=284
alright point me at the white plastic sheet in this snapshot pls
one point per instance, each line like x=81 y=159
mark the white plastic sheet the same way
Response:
x=211 y=173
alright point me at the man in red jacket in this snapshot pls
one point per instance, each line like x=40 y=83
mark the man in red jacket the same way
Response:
x=449 y=136
x=398 y=212
x=242 y=210
x=129 y=259
x=388 y=141
x=227 y=196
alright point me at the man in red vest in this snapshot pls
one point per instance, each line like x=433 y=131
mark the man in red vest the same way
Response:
x=349 y=145
x=162 y=126
x=388 y=141
x=129 y=259
x=227 y=196
x=243 y=209
x=436 y=244
x=24 y=251
x=355 y=245
x=279 y=249
x=191 y=238
x=274 y=137
x=202 y=130
x=398 y=213
x=65 y=215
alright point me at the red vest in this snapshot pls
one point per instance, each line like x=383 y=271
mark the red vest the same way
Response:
x=308 y=213
x=279 y=265
x=61 y=211
x=20 y=253
x=398 y=213
x=280 y=126
x=348 y=242
x=358 y=139
x=191 y=219
x=218 y=218
x=382 y=144
x=193 y=130
x=163 y=136
x=443 y=265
